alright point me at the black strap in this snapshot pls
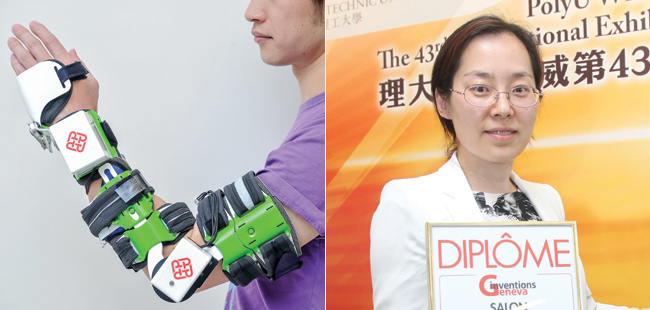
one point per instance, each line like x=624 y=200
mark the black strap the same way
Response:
x=234 y=199
x=125 y=251
x=177 y=218
x=243 y=271
x=254 y=190
x=74 y=71
x=115 y=199
x=108 y=131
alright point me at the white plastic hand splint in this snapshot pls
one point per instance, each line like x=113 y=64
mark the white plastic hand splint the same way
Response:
x=39 y=85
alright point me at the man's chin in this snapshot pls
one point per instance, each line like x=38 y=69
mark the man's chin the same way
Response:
x=273 y=60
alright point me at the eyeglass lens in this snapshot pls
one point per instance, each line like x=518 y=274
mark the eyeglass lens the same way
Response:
x=483 y=96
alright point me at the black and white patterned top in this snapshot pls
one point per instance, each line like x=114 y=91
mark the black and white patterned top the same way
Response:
x=507 y=207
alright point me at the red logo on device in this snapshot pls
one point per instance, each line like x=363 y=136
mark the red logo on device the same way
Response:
x=76 y=142
x=182 y=268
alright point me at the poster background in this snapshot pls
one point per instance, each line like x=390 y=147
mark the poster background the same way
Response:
x=591 y=143
x=177 y=78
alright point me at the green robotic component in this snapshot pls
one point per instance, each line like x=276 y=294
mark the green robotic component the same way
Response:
x=259 y=240
x=244 y=226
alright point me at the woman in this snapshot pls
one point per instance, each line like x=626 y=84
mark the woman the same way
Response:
x=486 y=80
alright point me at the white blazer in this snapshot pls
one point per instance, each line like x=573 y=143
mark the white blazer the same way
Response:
x=398 y=259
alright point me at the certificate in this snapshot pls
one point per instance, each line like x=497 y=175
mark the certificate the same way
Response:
x=503 y=266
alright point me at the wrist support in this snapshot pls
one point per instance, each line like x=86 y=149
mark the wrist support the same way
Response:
x=46 y=88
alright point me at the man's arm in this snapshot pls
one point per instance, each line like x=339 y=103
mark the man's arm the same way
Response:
x=303 y=229
x=85 y=96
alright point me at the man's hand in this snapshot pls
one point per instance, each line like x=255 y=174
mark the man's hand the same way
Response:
x=28 y=50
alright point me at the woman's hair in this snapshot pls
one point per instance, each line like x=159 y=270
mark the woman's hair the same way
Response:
x=448 y=60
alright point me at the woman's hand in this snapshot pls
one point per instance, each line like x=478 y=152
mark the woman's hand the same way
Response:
x=28 y=51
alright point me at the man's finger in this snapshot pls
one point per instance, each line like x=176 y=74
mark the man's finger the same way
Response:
x=23 y=56
x=32 y=44
x=51 y=42
x=15 y=64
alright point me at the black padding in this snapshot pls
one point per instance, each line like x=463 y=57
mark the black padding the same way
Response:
x=211 y=213
x=109 y=133
x=273 y=251
x=121 y=163
x=234 y=200
x=178 y=219
x=88 y=179
x=243 y=271
x=138 y=266
x=70 y=72
x=125 y=251
x=253 y=188
x=54 y=107
x=288 y=262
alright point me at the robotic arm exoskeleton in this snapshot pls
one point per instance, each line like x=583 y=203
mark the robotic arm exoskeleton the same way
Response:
x=244 y=225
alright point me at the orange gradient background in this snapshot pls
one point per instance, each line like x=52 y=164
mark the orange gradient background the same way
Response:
x=592 y=144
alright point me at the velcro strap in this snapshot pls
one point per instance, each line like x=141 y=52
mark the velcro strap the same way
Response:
x=115 y=199
x=244 y=193
x=73 y=72
x=177 y=218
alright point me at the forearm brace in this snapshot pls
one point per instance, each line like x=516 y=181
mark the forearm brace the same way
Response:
x=122 y=213
x=244 y=225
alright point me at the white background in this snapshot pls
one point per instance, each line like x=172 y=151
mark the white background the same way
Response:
x=192 y=106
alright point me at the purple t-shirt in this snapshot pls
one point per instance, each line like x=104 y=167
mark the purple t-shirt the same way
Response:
x=295 y=174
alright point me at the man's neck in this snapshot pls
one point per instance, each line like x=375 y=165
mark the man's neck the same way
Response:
x=311 y=78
